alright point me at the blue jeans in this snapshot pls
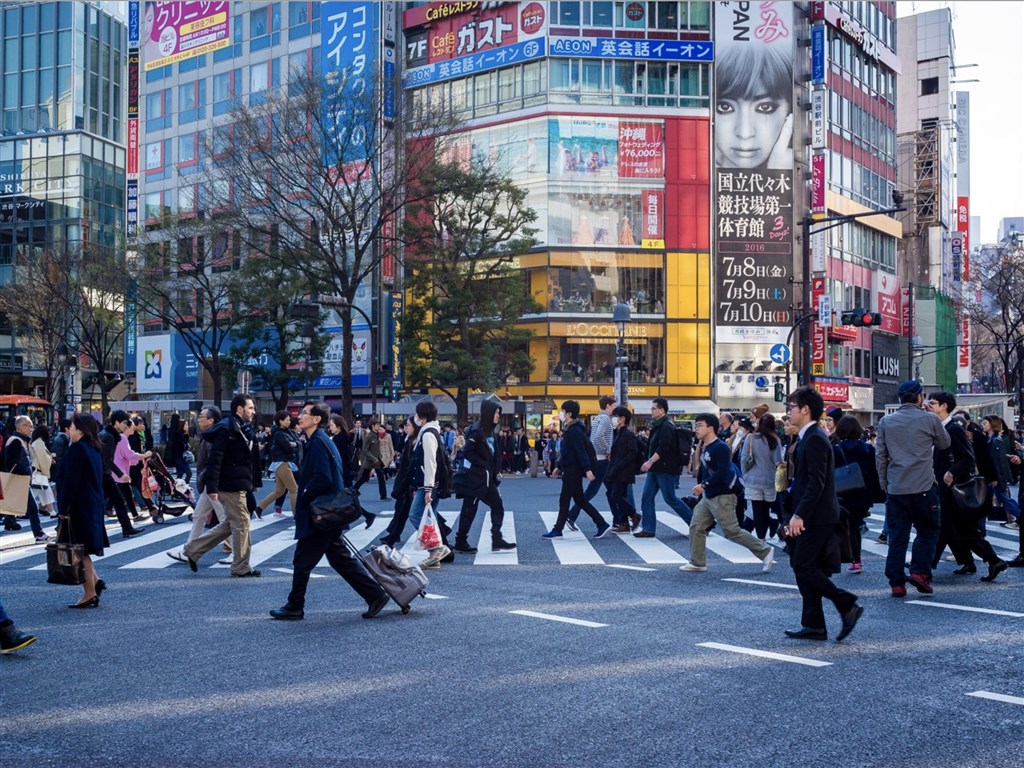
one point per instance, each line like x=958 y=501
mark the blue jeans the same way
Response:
x=419 y=503
x=666 y=483
x=600 y=470
x=903 y=511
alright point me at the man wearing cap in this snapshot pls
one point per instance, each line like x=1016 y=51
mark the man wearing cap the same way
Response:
x=906 y=441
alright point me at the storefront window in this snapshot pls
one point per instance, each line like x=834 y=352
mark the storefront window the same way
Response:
x=594 y=283
x=584 y=359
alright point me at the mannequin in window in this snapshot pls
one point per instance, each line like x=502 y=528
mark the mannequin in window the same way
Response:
x=584 y=234
x=626 y=231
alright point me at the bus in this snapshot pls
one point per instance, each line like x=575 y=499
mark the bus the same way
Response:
x=39 y=410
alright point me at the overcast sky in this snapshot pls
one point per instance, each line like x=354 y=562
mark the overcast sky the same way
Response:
x=991 y=35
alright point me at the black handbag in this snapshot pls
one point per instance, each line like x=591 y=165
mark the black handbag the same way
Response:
x=849 y=477
x=65 y=562
x=335 y=511
x=971 y=494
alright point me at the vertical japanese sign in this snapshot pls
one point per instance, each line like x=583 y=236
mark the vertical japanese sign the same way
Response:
x=963 y=219
x=132 y=159
x=395 y=337
x=134 y=24
x=131 y=219
x=818 y=330
x=175 y=31
x=819 y=119
x=348 y=52
x=818 y=185
x=753 y=170
x=652 y=202
x=818 y=54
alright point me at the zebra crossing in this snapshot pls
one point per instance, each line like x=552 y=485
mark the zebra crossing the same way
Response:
x=273 y=539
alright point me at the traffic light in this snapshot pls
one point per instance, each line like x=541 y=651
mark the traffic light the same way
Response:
x=387 y=389
x=780 y=392
x=860 y=318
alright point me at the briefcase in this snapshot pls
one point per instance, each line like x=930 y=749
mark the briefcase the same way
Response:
x=65 y=563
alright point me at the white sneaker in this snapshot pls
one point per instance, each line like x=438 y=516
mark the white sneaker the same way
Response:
x=691 y=568
x=44 y=539
x=179 y=556
x=769 y=561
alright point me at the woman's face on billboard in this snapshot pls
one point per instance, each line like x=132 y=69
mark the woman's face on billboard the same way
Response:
x=749 y=130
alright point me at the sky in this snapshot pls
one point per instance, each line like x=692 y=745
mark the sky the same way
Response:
x=991 y=35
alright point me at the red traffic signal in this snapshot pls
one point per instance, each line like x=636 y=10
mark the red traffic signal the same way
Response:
x=861 y=318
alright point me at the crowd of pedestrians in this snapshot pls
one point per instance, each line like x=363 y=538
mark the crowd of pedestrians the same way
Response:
x=802 y=484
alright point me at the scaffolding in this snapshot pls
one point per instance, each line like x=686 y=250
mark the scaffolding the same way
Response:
x=919 y=163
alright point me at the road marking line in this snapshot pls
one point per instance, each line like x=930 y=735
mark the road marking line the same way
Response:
x=431 y=596
x=763 y=583
x=652 y=550
x=730 y=550
x=265 y=549
x=563 y=619
x=952 y=607
x=289 y=571
x=1019 y=700
x=766 y=654
x=484 y=556
x=573 y=548
x=629 y=567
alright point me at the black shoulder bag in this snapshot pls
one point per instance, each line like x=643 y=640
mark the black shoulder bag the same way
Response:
x=334 y=511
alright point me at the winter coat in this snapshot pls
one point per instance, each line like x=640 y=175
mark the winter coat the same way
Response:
x=622 y=460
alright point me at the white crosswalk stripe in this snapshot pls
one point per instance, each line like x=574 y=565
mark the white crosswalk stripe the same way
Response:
x=273 y=544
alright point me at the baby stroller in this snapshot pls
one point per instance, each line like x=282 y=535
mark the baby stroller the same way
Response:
x=172 y=497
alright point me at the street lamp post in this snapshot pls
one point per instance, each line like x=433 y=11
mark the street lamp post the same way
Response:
x=69 y=362
x=620 y=316
x=308 y=334
x=821 y=225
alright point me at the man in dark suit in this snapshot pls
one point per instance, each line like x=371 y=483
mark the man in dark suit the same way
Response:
x=958 y=527
x=812 y=526
x=321 y=474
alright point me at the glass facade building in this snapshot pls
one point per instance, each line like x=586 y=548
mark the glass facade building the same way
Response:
x=62 y=151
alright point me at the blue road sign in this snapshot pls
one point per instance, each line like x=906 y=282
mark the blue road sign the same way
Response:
x=780 y=354
x=761 y=382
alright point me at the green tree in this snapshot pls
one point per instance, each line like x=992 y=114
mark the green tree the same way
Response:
x=269 y=340
x=467 y=291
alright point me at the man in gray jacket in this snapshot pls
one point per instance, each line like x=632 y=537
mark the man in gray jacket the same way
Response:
x=906 y=441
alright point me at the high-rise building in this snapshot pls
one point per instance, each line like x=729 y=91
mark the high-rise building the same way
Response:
x=601 y=111
x=62 y=148
x=931 y=253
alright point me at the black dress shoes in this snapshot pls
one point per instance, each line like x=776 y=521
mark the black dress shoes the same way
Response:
x=965 y=570
x=376 y=606
x=807 y=633
x=994 y=569
x=502 y=546
x=93 y=602
x=253 y=574
x=287 y=613
x=133 y=532
x=463 y=546
x=850 y=619
x=1017 y=562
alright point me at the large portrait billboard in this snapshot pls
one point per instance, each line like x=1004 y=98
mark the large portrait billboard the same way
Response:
x=175 y=31
x=753 y=170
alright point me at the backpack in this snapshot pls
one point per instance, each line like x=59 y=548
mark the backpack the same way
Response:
x=684 y=443
x=641 y=455
x=591 y=454
x=443 y=473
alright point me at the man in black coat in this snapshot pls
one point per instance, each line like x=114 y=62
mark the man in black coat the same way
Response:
x=663 y=469
x=480 y=463
x=321 y=474
x=959 y=527
x=231 y=471
x=812 y=526
x=574 y=463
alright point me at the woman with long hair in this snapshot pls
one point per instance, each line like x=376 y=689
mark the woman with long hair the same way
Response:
x=1000 y=476
x=42 y=463
x=80 y=502
x=849 y=447
x=760 y=454
x=403 y=490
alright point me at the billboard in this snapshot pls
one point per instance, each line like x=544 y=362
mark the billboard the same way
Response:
x=348 y=61
x=588 y=147
x=396 y=312
x=458 y=43
x=632 y=49
x=753 y=170
x=175 y=31
x=164 y=364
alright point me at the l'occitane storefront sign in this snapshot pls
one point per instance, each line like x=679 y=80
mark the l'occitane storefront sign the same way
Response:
x=585 y=330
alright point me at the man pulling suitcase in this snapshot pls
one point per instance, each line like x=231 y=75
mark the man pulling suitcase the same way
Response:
x=321 y=474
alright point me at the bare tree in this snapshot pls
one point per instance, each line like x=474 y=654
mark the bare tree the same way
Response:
x=996 y=309
x=468 y=292
x=318 y=167
x=188 y=280
x=41 y=322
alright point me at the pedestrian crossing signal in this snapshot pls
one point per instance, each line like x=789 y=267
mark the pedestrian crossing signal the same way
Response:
x=780 y=392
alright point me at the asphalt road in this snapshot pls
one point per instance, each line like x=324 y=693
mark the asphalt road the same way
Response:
x=666 y=668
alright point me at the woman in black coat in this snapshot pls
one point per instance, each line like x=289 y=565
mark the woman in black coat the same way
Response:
x=80 y=502
x=848 y=448
x=342 y=439
x=622 y=464
x=403 y=489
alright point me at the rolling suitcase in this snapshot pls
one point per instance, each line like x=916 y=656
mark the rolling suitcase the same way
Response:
x=402 y=581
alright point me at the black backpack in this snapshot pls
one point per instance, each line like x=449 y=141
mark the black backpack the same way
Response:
x=684 y=443
x=443 y=473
